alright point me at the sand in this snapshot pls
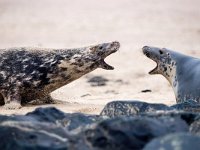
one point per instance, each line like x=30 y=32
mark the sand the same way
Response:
x=173 y=24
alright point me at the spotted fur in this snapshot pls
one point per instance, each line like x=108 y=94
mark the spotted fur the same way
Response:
x=28 y=74
x=181 y=71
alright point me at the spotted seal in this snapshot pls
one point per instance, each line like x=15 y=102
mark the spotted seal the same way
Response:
x=182 y=72
x=28 y=74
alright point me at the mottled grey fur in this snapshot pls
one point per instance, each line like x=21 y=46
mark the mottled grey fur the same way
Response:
x=182 y=71
x=28 y=74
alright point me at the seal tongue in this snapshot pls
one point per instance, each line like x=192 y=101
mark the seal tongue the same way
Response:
x=104 y=65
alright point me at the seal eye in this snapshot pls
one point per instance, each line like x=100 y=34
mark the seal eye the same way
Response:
x=101 y=47
x=161 y=52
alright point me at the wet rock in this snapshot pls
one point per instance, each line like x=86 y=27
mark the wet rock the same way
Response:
x=195 y=126
x=122 y=125
x=49 y=114
x=130 y=132
x=27 y=135
x=188 y=117
x=15 y=118
x=130 y=108
x=68 y=120
x=76 y=120
x=52 y=115
x=45 y=128
x=181 y=141
x=190 y=106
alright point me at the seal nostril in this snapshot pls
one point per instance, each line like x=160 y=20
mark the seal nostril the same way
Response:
x=161 y=52
x=147 y=54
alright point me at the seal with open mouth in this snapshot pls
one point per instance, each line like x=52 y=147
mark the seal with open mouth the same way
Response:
x=28 y=74
x=182 y=71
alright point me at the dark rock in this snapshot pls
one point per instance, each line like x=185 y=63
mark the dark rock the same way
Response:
x=130 y=108
x=181 y=141
x=55 y=116
x=27 y=135
x=98 y=81
x=127 y=133
x=15 y=118
x=138 y=124
x=195 y=126
x=76 y=120
x=49 y=114
x=68 y=120
x=145 y=91
x=188 y=117
x=190 y=106
x=45 y=128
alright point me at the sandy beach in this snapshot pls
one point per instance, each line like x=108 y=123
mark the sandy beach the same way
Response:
x=174 y=24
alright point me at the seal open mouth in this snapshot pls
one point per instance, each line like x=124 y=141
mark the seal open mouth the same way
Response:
x=114 y=48
x=154 y=70
x=148 y=54
x=104 y=65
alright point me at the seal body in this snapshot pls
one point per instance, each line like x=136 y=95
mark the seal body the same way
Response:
x=182 y=71
x=28 y=74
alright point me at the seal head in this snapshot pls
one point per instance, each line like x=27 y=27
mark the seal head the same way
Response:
x=96 y=54
x=164 y=61
x=180 y=70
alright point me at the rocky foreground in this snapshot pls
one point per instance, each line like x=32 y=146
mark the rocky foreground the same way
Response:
x=122 y=125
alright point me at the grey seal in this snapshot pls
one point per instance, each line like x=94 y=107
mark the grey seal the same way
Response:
x=182 y=72
x=28 y=74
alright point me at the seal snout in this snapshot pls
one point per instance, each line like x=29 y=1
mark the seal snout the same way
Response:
x=146 y=50
x=150 y=54
x=110 y=48
x=115 y=45
x=145 y=47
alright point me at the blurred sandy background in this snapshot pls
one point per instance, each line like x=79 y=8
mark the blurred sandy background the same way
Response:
x=174 y=24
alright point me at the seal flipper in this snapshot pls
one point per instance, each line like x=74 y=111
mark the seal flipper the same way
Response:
x=45 y=100
x=12 y=99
